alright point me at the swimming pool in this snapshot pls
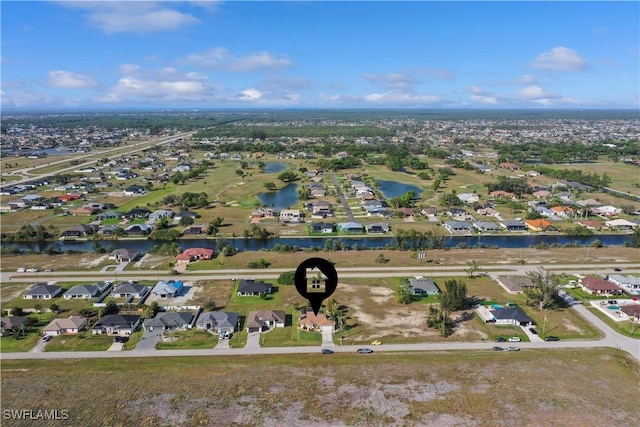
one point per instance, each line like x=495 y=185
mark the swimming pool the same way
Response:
x=613 y=307
x=496 y=306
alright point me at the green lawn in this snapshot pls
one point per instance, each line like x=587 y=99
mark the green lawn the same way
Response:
x=9 y=344
x=191 y=338
x=289 y=336
x=623 y=328
x=84 y=341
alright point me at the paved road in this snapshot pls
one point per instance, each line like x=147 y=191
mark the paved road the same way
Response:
x=343 y=199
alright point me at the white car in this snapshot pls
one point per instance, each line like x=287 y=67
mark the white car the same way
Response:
x=32 y=270
x=514 y=339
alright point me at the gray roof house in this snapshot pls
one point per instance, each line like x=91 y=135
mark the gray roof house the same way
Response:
x=350 y=227
x=251 y=287
x=129 y=289
x=218 y=321
x=378 y=227
x=458 y=226
x=117 y=324
x=169 y=320
x=511 y=316
x=258 y=321
x=167 y=288
x=423 y=286
x=123 y=255
x=85 y=291
x=11 y=323
x=42 y=291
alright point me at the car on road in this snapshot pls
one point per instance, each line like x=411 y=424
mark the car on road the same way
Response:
x=514 y=339
x=617 y=269
x=497 y=348
x=47 y=338
x=31 y=270
x=49 y=270
x=533 y=331
x=552 y=338
x=21 y=270
x=376 y=342
x=500 y=339
x=513 y=348
x=364 y=351
x=326 y=351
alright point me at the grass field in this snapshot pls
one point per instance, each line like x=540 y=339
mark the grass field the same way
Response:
x=558 y=387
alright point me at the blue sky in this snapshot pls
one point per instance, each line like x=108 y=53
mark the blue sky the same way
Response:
x=203 y=54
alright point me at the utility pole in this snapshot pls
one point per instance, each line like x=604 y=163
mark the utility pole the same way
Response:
x=544 y=324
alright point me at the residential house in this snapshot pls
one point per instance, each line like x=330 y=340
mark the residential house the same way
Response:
x=86 y=291
x=539 y=225
x=468 y=198
x=159 y=214
x=196 y=229
x=218 y=321
x=544 y=211
x=459 y=214
x=606 y=211
x=486 y=226
x=350 y=227
x=629 y=284
x=378 y=227
x=503 y=194
x=110 y=230
x=630 y=312
x=322 y=207
x=514 y=284
x=169 y=320
x=123 y=255
x=509 y=165
x=194 y=254
x=259 y=321
x=167 y=288
x=620 y=224
x=138 y=229
x=117 y=324
x=69 y=326
x=109 y=215
x=42 y=291
x=309 y=321
x=430 y=212
x=129 y=289
x=422 y=286
x=563 y=211
x=185 y=214
x=597 y=286
x=591 y=225
x=10 y=324
x=322 y=227
x=251 y=287
x=458 y=226
x=511 y=316
x=291 y=216
x=515 y=225
x=136 y=213
x=80 y=230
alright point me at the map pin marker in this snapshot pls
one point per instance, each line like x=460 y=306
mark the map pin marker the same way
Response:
x=316 y=279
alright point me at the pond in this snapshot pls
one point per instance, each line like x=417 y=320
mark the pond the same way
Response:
x=281 y=199
x=274 y=167
x=391 y=189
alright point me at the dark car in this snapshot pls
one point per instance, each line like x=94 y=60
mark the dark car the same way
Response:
x=364 y=350
x=552 y=338
x=47 y=338
x=533 y=331
x=500 y=339
x=617 y=269
x=326 y=351
x=497 y=348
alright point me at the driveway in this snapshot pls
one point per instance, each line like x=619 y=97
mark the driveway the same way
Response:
x=116 y=346
x=39 y=347
x=223 y=344
x=253 y=340
x=149 y=340
x=327 y=338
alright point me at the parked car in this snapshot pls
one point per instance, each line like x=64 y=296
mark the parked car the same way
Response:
x=533 y=331
x=513 y=348
x=552 y=338
x=47 y=338
x=31 y=270
x=326 y=351
x=500 y=339
x=514 y=339
x=497 y=348
x=376 y=342
x=617 y=269
x=21 y=270
x=49 y=270
x=364 y=350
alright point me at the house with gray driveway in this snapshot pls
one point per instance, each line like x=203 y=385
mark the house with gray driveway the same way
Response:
x=42 y=291
x=129 y=289
x=169 y=320
x=116 y=324
x=259 y=321
x=422 y=286
x=86 y=291
x=218 y=321
x=252 y=287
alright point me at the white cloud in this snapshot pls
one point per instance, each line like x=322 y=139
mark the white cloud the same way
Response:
x=479 y=95
x=527 y=79
x=220 y=58
x=70 y=80
x=393 y=81
x=560 y=59
x=250 y=95
x=535 y=93
x=133 y=16
x=384 y=98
